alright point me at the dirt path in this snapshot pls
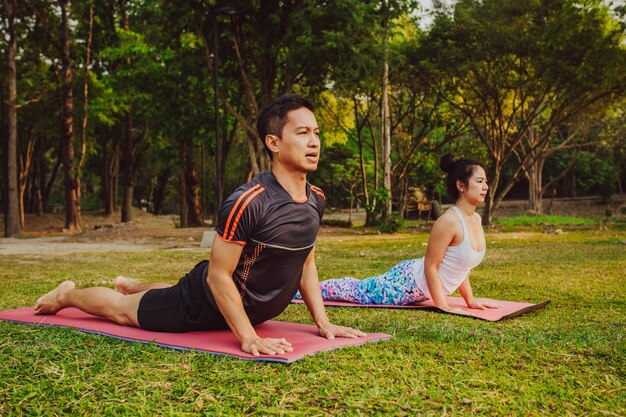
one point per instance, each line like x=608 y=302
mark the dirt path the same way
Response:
x=60 y=245
x=44 y=235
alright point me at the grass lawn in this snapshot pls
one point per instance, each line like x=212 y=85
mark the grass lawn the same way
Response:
x=567 y=359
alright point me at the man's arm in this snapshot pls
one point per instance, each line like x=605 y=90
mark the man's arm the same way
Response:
x=224 y=259
x=312 y=297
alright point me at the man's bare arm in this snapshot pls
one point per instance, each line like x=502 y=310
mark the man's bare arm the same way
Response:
x=224 y=259
x=312 y=297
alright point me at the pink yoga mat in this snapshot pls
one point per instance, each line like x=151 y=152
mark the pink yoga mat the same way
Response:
x=304 y=338
x=509 y=308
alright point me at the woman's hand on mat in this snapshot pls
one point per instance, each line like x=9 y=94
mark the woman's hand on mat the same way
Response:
x=268 y=346
x=483 y=305
x=453 y=310
x=330 y=331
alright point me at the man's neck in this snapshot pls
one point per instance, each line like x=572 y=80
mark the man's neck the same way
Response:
x=293 y=182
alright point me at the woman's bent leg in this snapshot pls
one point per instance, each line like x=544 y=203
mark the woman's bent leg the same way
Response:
x=340 y=289
x=395 y=287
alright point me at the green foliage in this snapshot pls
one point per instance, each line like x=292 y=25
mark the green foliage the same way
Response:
x=593 y=173
x=91 y=202
x=478 y=61
x=337 y=223
x=392 y=224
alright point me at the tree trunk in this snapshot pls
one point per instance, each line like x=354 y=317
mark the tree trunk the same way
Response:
x=127 y=145
x=12 y=210
x=369 y=206
x=106 y=184
x=72 y=202
x=127 y=169
x=227 y=144
x=386 y=128
x=534 y=174
x=263 y=158
x=25 y=164
x=83 y=133
x=3 y=155
x=40 y=174
x=159 y=191
x=111 y=160
x=182 y=192
x=253 y=154
x=404 y=191
x=493 y=185
x=50 y=183
x=192 y=192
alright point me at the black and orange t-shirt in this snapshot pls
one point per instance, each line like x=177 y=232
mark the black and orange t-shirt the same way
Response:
x=277 y=234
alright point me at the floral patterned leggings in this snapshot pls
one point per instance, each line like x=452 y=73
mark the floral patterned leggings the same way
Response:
x=396 y=287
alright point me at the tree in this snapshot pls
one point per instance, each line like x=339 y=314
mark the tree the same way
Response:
x=278 y=47
x=12 y=214
x=519 y=69
x=70 y=173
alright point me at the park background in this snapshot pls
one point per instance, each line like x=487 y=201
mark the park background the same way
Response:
x=118 y=104
x=116 y=144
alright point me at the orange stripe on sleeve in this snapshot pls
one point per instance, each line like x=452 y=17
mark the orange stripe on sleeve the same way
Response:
x=243 y=207
x=318 y=191
x=232 y=210
x=232 y=241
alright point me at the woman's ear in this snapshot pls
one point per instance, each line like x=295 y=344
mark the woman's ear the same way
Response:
x=460 y=186
x=272 y=143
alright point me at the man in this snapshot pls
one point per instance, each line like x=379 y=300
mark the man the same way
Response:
x=262 y=254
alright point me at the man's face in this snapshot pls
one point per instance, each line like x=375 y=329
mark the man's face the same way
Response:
x=299 y=146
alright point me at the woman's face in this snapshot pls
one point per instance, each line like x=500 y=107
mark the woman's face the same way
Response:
x=476 y=189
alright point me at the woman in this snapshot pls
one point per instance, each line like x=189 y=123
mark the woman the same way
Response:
x=456 y=246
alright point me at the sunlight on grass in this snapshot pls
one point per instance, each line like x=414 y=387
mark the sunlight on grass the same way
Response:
x=545 y=219
x=567 y=359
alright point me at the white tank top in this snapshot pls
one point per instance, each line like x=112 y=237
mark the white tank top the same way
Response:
x=456 y=264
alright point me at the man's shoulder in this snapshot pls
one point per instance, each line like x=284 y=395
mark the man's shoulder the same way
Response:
x=246 y=198
x=256 y=185
x=318 y=192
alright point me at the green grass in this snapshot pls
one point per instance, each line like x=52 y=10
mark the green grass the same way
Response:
x=567 y=359
x=545 y=219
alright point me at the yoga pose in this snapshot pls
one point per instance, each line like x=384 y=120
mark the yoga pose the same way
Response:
x=263 y=253
x=455 y=247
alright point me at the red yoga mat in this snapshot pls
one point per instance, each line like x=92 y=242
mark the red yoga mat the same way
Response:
x=509 y=308
x=303 y=337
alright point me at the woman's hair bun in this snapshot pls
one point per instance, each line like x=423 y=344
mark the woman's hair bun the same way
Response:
x=446 y=162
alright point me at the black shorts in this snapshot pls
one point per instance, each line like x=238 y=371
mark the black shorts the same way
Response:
x=183 y=307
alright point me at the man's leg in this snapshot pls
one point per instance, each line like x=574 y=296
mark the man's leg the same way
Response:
x=99 y=301
x=128 y=286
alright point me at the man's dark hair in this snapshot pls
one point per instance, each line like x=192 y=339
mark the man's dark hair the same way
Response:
x=273 y=117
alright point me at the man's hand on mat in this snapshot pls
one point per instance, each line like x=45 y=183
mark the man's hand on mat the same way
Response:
x=483 y=305
x=268 y=346
x=330 y=331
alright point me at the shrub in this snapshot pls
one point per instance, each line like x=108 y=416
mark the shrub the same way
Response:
x=337 y=223
x=391 y=225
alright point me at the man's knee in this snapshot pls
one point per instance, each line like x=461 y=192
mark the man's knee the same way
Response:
x=124 y=311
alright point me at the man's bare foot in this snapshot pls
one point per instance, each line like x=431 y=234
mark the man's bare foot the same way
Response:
x=51 y=302
x=125 y=285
